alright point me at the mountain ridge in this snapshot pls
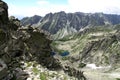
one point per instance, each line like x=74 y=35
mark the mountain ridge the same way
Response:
x=30 y=20
x=52 y=22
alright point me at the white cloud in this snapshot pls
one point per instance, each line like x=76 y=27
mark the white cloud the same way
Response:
x=19 y=10
x=94 y=5
x=43 y=7
x=43 y=2
x=25 y=11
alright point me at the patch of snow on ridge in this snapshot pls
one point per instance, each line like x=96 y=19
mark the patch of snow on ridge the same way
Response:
x=93 y=66
x=115 y=75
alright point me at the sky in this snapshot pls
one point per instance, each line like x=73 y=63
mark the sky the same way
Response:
x=23 y=8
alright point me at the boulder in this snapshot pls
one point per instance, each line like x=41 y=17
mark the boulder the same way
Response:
x=20 y=74
x=71 y=71
x=3 y=69
x=14 y=23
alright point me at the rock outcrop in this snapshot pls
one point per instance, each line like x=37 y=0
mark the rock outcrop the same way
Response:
x=3 y=13
x=21 y=44
x=3 y=69
x=24 y=44
x=72 y=71
x=31 y=20
x=103 y=52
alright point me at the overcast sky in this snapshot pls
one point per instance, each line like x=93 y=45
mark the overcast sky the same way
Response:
x=22 y=8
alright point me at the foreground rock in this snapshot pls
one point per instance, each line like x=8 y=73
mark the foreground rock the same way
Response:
x=3 y=69
x=23 y=44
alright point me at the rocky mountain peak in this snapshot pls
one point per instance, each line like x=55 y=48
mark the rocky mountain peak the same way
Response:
x=55 y=22
x=3 y=12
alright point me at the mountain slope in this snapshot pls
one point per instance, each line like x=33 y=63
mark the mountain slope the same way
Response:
x=98 y=45
x=64 y=32
x=53 y=22
x=30 y=20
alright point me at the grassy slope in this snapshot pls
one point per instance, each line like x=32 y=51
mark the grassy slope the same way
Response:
x=75 y=43
x=100 y=38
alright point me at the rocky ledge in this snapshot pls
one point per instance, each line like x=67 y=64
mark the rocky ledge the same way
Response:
x=20 y=45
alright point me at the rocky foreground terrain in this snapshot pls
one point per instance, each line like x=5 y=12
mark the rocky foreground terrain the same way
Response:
x=25 y=53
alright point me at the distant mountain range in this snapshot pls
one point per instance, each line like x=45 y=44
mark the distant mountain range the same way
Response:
x=31 y=20
x=70 y=22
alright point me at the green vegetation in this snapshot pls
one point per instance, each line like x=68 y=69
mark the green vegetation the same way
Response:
x=80 y=44
x=114 y=48
x=81 y=65
x=65 y=78
x=35 y=70
x=117 y=27
x=54 y=44
x=99 y=40
x=61 y=51
x=43 y=76
x=65 y=58
x=117 y=78
x=66 y=38
x=29 y=64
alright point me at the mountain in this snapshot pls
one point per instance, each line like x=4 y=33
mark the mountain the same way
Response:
x=97 y=45
x=53 y=22
x=64 y=32
x=30 y=20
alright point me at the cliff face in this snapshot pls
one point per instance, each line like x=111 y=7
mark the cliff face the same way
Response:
x=25 y=52
x=3 y=12
x=31 y=20
x=103 y=52
x=21 y=44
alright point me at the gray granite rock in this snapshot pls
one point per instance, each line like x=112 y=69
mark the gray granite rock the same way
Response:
x=3 y=69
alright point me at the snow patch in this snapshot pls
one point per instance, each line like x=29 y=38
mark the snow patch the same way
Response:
x=116 y=75
x=93 y=66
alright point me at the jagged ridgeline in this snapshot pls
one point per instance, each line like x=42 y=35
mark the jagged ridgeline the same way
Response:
x=67 y=23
